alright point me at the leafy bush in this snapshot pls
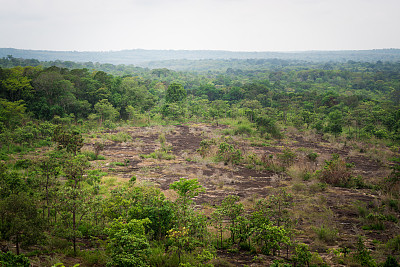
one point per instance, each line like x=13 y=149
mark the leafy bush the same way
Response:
x=94 y=176
x=266 y=124
x=205 y=146
x=326 y=234
x=363 y=255
x=302 y=255
x=128 y=243
x=394 y=244
x=391 y=262
x=9 y=259
x=312 y=156
x=335 y=172
x=287 y=157
x=92 y=156
x=243 y=129
x=229 y=154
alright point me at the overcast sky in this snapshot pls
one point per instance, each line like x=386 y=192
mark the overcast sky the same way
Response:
x=236 y=25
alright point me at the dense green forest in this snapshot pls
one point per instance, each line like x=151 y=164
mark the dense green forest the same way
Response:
x=81 y=144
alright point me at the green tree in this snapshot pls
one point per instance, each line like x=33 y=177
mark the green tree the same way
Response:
x=232 y=210
x=105 y=111
x=47 y=170
x=127 y=242
x=11 y=113
x=71 y=140
x=17 y=85
x=74 y=200
x=175 y=93
x=20 y=220
x=335 y=122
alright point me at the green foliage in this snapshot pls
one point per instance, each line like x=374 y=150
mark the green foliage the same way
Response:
x=229 y=154
x=205 y=147
x=8 y=259
x=302 y=255
x=363 y=255
x=119 y=137
x=187 y=188
x=72 y=141
x=335 y=172
x=175 y=93
x=105 y=110
x=128 y=244
x=11 y=113
x=20 y=220
x=94 y=176
x=91 y=156
x=391 y=262
x=326 y=234
x=271 y=236
x=287 y=157
x=312 y=156
x=164 y=152
x=267 y=124
x=394 y=244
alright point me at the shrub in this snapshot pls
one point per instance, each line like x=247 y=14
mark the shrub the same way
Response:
x=391 y=262
x=229 y=154
x=243 y=129
x=205 y=146
x=9 y=259
x=312 y=156
x=362 y=255
x=335 y=172
x=287 y=157
x=326 y=234
x=119 y=137
x=302 y=255
x=394 y=244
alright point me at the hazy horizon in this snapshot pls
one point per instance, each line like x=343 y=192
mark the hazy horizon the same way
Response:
x=218 y=50
x=221 y=25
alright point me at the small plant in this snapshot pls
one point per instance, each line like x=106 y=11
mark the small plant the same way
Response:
x=312 y=156
x=375 y=221
x=394 y=244
x=162 y=153
x=98 y=147
x=302 y=255
x=287 y=157
x=391 y=262
x=326 y=234
x=229 y=154
x=119 y=137
x=9 y=259
x=205 y=146
x=132 y=180
x=335 y=172
x=363 y=255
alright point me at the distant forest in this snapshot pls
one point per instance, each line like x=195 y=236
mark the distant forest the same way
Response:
x=147 y=58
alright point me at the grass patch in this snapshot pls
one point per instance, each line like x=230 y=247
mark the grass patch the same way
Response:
x=91 y=156
x=326 y=234
x=119 y=137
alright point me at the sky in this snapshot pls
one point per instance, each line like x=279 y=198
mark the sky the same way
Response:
x=233 y=25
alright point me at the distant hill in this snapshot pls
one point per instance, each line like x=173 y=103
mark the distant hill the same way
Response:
x=143 y=57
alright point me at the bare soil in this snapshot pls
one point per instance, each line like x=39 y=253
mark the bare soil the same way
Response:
x=221 y=180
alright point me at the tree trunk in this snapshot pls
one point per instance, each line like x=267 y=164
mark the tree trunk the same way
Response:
x=73 y=226
x=17 y=243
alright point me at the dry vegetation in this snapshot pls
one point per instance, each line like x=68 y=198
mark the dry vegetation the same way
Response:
x=328 y=218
